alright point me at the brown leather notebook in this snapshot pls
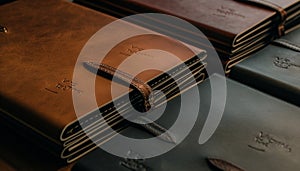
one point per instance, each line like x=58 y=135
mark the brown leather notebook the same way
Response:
x=236 y=28
x=39 y=46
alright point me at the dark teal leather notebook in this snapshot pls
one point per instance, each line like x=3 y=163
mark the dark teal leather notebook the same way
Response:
x=257 y=132
x=275 y=69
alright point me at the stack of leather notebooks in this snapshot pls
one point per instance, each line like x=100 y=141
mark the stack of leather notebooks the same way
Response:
x=46 y=60
x=274 y=69
x=236 y=28
x=68 y=79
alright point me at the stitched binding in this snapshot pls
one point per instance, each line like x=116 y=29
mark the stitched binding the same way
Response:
x=91 y=118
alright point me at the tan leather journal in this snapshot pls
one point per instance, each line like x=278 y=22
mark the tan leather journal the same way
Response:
x=236 y=28
x=39 y=46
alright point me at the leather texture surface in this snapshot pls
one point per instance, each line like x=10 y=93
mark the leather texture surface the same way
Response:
x=243 y=25
x=39 y=53
x=257 y=132
x=235 y=17
x=275 y=69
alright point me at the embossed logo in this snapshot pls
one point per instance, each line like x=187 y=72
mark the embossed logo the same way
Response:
x=266 y=141
x=225 y=11
x=64 y=85
x=284 y=63
x=131 y=50
x=134 y=162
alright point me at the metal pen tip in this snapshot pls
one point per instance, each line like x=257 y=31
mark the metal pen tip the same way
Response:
x=156 y=129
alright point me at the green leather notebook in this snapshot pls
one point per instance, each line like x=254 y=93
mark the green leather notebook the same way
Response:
x=257 y=132
x=275 y=69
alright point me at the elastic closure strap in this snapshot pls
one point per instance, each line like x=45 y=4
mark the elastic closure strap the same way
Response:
x=271 y=5
x=287 y=44
x=144 y=89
